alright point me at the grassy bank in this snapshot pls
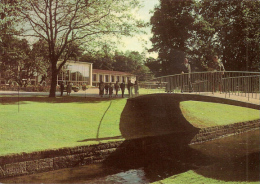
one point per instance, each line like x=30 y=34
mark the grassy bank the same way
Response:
x=43 y=123
x=206 y=114
x=39 y=123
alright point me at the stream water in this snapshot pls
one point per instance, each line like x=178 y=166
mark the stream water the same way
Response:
x=165 y=158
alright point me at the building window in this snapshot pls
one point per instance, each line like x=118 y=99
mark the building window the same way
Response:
x=106 y=78
x=94 y=77
x=123 y=79
x=112 y=78
x=118 y=78
x=100 y=78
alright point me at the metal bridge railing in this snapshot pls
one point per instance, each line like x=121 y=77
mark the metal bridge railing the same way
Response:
x=229 y=83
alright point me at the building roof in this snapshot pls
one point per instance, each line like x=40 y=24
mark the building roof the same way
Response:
x=73 y=61
x=110 y=72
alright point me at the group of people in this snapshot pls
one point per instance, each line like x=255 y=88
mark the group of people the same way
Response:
x=215 y=66
x=68 y=88
x=109 y=88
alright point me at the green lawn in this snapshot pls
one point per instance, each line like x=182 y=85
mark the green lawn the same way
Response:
x=39 y=123
x=62 y=123
x=191 y=177
x=206 y=114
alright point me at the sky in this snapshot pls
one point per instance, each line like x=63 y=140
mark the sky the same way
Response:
x=136 y=43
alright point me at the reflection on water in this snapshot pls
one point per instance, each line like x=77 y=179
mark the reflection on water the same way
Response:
x=234 y=158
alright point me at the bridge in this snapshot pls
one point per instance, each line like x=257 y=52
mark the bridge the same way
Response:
x=243 y=86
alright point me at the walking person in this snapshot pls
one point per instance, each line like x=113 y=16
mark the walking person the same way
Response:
x=101 y=88
x=129 y=87
x=61 y=88
x=136 y=87
x=217 y=68
x=122 y=86
x=69 y=88
x=110 y=89
x=116 y=86
x=186 y=68
x=106 y=88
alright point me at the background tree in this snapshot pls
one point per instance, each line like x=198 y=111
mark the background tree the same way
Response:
x=172 y=24
x=62 y=22
x=201 y=29
x=154 y=66
x=18 y=61
x=129 y=61
x=235 y=26
x=120 y=63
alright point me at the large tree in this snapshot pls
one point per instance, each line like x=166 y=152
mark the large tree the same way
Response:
x=231 y=30
x=62 y=22
x=172 y=24
x=201 y=29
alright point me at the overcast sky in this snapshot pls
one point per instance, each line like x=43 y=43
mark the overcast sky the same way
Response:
x=136 y=43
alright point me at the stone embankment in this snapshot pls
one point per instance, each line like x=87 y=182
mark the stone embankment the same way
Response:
x=42 y=161
x=211 y=133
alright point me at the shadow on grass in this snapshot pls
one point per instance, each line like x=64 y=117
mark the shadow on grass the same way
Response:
x=101 y=139
x=158 y=136
x=45 y=99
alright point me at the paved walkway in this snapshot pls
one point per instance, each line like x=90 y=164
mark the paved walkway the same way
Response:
x=255 y=99
x=93 y=92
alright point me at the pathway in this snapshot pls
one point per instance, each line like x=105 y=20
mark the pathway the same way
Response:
x=93 y=92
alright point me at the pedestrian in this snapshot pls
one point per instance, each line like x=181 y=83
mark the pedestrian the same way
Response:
x=186 y=68
x=69 y=88
x=122 y=86
x=129 y=87
x=116 y=86
x=110 y=89
x=106 y=88
x=136 y=87
x=61 y=88
x=217 y=70
x=101 y=87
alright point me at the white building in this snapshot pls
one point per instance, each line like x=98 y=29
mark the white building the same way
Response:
x=82 y=73
x=108 y=76
x=76 y=72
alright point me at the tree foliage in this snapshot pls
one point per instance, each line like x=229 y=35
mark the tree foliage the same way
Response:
x=63 y=22
x=18 y=61
x=201 y=29
x=154 y=66
x=231 y=31
x=172 y=24
x=129 y=61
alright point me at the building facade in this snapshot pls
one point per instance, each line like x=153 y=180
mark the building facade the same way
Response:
x=77 y=73
x=80 y=73
x=108 y=76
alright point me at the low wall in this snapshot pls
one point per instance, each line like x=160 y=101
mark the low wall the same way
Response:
x=43 y=161
x=36 y=162
x=211 y=133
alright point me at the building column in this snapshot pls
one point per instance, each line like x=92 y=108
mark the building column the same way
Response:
x=90 y=74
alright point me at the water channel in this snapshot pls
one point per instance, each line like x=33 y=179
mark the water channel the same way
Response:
x=233 y=158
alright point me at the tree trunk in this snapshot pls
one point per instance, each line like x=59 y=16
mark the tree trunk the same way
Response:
x=53 y=80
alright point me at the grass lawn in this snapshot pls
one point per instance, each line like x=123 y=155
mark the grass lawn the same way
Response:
x=191 y=177
x=206 y=114
x=39 y=123
x=45 y=124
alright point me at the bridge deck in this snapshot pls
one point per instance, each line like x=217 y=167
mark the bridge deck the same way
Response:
x=241 y=97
